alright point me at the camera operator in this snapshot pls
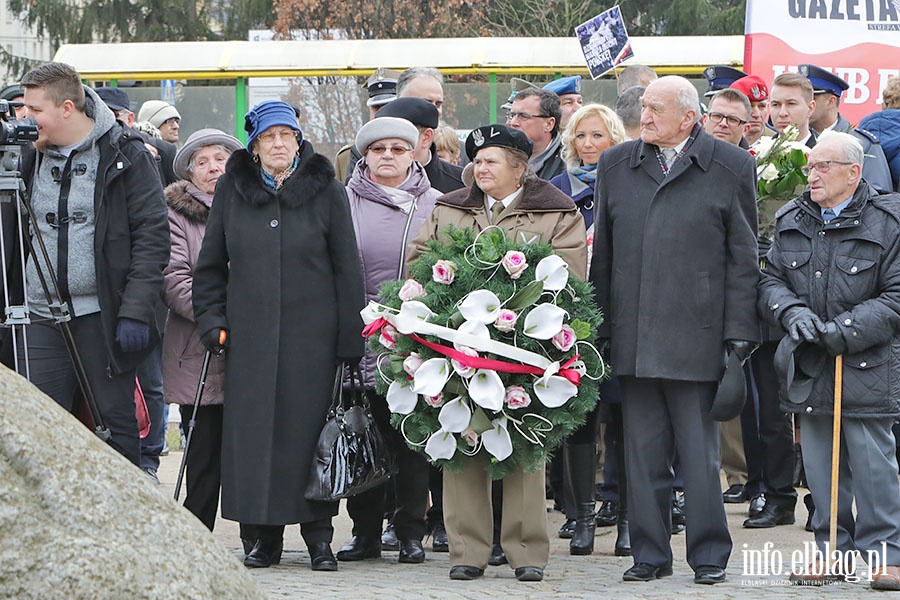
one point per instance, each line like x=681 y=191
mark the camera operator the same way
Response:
x=100 y=210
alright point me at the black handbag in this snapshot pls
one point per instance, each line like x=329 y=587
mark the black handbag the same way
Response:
x=351 y=456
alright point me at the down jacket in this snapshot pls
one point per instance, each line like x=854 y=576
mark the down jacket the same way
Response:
x=182 y=351
x=383 y=232
x=886 y=127
x=847 y=271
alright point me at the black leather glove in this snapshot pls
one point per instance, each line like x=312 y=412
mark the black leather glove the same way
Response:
x=742 y=348
x=215 y=340
x=132 y=335
x=802 y=322
x=833 y=340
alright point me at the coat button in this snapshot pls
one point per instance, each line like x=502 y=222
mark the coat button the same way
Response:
x=863 y=364
x=775 y=306
x=818 y=274
x=809 y=409
x=848 y=321
x=793 y=263
x=853 y=269
x=273 y=223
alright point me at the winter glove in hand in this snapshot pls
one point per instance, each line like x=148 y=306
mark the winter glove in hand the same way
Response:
x=833 y=340
x=802 y=322
x=215 y=340
x=132 y=335
x=742 y=348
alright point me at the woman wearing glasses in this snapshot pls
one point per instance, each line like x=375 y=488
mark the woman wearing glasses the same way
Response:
x=277 y=287
x=390 y=197
x=592 y=130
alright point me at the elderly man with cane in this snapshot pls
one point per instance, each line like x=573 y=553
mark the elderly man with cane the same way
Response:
x=832 y=279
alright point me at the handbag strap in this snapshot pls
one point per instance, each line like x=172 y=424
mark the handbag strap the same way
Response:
x=358 y=395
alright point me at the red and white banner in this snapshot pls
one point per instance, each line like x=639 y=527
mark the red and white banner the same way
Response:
x=859 y=40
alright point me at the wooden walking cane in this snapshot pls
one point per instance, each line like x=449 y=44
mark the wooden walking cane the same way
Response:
x=835 y=452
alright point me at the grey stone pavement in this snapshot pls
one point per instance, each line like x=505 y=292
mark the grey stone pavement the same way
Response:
x=596 y=576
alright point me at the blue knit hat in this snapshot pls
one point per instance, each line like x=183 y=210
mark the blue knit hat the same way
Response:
x=269 y=114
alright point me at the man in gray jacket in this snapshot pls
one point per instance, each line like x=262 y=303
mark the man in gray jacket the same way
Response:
x=832 y=278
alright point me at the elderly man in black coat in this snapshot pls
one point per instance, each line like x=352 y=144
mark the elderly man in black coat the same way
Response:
x=832 y=278
x=675 y=272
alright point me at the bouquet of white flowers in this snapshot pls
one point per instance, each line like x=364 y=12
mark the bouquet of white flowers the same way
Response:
x=779 y=176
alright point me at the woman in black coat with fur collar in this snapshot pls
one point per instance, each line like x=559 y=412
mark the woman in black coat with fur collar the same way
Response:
x=279 y=273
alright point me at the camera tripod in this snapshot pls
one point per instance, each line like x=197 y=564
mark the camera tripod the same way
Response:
x=17 y=316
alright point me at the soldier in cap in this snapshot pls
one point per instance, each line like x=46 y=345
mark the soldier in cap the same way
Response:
x=381 y=87
x=569 y=91
x=720 y=77
x=828 y=88
x=757 y=92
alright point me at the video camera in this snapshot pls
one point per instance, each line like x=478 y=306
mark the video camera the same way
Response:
x=16 y=131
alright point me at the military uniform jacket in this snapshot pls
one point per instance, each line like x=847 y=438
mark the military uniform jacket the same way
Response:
x=875 y=166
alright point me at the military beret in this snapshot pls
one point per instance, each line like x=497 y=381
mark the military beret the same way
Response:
x=565 y=85
x=720 y=77
x=415 y=110
x=382 y=87
x=497 y=135
x=823 y=81
x=754 y=87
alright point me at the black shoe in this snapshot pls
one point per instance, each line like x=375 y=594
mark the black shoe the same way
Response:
x=264 y=554
x=623 y=538
x=736 y=494
x=498 y=556
x=757 y=504
x=608 y=513
x=810 y=508
x=321 y=558
x=529 y=574
x=465 y=572
x=389 y=538
x=646 y=572
x=709 y=574
x=360 y=547
x=771 y=516
x=439 y=541
x=567 y=530
x=411 y=551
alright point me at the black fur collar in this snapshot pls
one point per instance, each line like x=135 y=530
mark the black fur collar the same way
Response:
x=314 y=174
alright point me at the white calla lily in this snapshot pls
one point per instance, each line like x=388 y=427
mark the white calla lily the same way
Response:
x=455 y=416
x=431 y=376
x=372 y=312
x=401 y=398
x=441 y=444
x=544 y=321
x=476 y=329
x=486 y=389
x=554 y=391
x=496 y=440
x=553 y=271
x=481 y=305
x=411 y=314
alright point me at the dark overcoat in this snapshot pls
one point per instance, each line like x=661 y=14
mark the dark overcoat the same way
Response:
x=279 y=271
x=675 y=257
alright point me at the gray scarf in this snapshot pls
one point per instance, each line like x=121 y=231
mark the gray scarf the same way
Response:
x=537 y=162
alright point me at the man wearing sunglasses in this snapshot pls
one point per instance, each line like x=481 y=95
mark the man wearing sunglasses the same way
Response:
x=536 y=112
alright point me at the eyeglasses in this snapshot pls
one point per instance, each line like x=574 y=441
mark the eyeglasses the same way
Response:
x=524 y=116
x=395 y=150
x=716 y=117
x=268 y=137
x=823 y=166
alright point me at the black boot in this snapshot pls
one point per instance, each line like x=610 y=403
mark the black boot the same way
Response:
x=581 y=466
x=268 y=547
x=623 y=538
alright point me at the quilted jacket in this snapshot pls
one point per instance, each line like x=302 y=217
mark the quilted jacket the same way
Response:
x=847 y=271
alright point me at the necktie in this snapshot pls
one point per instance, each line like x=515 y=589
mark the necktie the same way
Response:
x=828 y=215
x=669 y=154
x=496 y=209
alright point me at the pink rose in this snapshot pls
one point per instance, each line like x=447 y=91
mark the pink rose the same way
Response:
x=388 y=337
x=517 y=397
x=443 y=271
x=435 y=401
x=461 y=369
x=514 y=263
x=470 y=437
x=565 y=339
x=411 y=290
x=412 y=363
x=506 y=320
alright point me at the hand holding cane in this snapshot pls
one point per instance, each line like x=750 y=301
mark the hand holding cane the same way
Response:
x=223 y=336
x=835 y=451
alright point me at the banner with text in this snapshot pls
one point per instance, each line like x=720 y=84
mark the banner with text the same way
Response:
x=604 y=41
x=858 y=40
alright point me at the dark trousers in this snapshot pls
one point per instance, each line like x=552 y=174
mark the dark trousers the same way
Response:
x=410 y=486
x=52 y=372
x=662 y=416
x=776 y=432
x=149 y=374
x=204 y=463
x=750 y=437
